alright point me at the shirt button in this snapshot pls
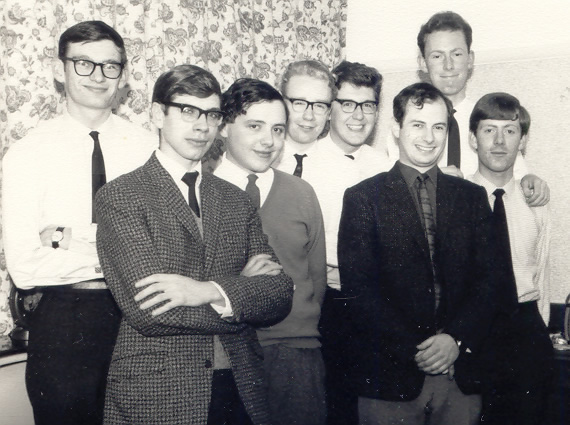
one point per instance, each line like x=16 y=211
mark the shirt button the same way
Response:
x=207 y=364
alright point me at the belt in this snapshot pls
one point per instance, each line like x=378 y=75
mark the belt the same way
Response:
x=89 y=284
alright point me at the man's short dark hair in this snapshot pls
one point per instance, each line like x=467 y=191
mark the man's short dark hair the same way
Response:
x=358 y=75
x=312 y=68
x=445 y=21
x=90 y=31
x=499 y=106
x=418 y=94
x=245 y=92
x=185 y=79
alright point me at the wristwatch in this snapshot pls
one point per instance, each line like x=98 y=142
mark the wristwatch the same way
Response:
x=57 y=237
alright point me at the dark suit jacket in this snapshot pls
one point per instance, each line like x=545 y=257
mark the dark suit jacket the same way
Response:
x=161 y=371
x=386 y=274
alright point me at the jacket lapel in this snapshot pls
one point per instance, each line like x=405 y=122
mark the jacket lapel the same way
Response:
x=446 y=197
x=211 y=218
x=398 y=195
x=171 y=197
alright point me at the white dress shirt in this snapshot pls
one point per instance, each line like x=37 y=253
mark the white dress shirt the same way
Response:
x=529 y=236
x=236 y=175
x=469 y=158
x=287 y=162
x=331 y=174
x=47 y=182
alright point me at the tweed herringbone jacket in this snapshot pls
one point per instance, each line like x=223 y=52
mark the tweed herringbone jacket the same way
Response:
x=161 y=371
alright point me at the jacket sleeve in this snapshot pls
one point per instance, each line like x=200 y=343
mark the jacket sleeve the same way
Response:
x=360 y=259
x=127 y=255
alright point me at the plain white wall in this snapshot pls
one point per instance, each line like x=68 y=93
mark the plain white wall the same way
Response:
x=521 y=47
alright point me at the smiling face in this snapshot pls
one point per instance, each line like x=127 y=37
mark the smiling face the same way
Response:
x=304 y=127
x=93 y=92
x=421 y=137
x=448 y=62
x=350 y=130
x=497 y=143
x=185 y=142
x=255 y=139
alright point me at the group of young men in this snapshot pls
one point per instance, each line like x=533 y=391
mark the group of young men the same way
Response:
x=310 y=279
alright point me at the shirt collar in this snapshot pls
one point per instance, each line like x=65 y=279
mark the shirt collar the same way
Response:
x=74 y=126
x=490 y=187
x=236 y=175
x=411 y=174
x=176 y=170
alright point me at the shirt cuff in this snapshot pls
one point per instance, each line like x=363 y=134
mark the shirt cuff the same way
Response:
x=223 y=311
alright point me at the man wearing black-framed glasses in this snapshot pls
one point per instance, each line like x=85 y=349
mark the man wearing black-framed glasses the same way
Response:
x=50 y=179
x=353 y=116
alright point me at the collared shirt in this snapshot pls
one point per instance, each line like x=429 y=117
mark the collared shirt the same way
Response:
x=469 y=158
x=177 y=172
x=331 y=174
x=529 y=236
x=287 y=161
x=236 y=175
x=47 y=182
x=411 y=177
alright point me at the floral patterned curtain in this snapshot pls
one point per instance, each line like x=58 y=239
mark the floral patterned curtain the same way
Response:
x=231 y=38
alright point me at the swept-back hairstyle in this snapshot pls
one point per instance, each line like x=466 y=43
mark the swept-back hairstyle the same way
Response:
x=312 y=68
x=418 y=94
x=358 y=75
x=90 y=31
x=499 y=106
x=243 y=93
x=185 y=79
x=444 y=21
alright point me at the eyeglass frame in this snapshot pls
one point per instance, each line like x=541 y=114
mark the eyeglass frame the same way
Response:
x=95 y=65
x=357 y=104
x=200 y=112
x=311 y=104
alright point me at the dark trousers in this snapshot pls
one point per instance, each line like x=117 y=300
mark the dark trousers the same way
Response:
x=519 y=364
x=341 y=399
x=71 y=342
x=226 y=407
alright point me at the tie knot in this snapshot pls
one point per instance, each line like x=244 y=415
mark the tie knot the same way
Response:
x=251 y=178
x=190 y=178
x=299 y=158
x=94 y=135
x=423 y=178
x=499 y=193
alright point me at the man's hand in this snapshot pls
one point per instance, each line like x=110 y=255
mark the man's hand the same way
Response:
x=261 y=264
x=452 y=170
x=536 y=190
x=47 y=233
x=175 y=290
x=437 y=354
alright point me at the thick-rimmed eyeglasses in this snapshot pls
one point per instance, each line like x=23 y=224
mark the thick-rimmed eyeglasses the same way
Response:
x=85 y=67
x=191 y=113
x=349 y=106
x=301 y=105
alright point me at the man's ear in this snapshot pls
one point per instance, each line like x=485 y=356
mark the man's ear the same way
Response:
x=471 y=59
x=473 y=141
x=396 y=130
x=422 y=63
x=157 y=115
x=223 y=131
x=124 y=78
x=522 y=144
x=58 y=69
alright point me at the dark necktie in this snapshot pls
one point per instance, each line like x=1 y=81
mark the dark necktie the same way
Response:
x=350 y=156
x=299 y=168
x=253 y=191
x=429 y=227
x=98 y=178
x=503 y=256
x=190 y=180
x=453 y=146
